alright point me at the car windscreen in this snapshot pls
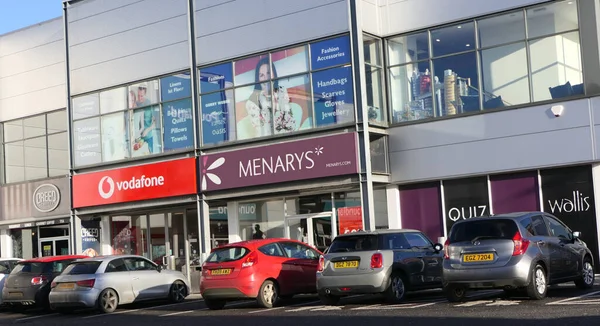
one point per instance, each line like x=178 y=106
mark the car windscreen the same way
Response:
x=482 y=228
x=88 y=267
x=226 y=254
x=353 y=243
x=29 y=267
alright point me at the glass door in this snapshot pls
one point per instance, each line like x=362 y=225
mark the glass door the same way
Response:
x=312 y=229
x=55 y=246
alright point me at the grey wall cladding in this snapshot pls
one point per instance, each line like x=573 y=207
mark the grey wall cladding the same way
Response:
x=115 y=42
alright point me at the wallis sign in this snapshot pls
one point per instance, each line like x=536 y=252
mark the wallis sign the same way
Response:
x=298 y=160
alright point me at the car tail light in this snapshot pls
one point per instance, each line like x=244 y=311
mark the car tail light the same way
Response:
x=377 y=260
x=520 y=244
x=446 y=250
x=321 y=264
x=251 y=260
x=38 y=280
x=53 y=285
x=86 y=283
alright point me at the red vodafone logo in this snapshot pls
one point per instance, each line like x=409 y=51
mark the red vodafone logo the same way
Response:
x=142 y=182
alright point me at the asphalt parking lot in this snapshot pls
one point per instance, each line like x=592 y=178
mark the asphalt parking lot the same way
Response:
x=565 y=305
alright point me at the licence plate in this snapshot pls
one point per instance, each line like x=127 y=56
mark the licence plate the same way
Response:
x=478 y=257
x=346 y=264
x=66 y=286
x=225 y=271
x=16 y=294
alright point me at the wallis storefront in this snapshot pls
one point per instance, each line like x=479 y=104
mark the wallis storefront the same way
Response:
x=565 y=192
x=305 y=190
x=35 y=219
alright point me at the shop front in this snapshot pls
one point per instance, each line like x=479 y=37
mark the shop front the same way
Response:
x=565 y=192
x=35 y=219
x=304 y=189
x=149 y=210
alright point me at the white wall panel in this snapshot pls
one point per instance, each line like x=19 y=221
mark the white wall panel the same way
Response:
x=35 y=102
x=91 y=8
x=370 y=17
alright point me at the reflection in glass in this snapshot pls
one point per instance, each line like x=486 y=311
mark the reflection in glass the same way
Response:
x=378 y=154
x=178 y=124
x=218 y=122
x=57 y=121
x=113 y=100
x=142 y=94
x=13 y=130
x=292 y=102
x=501 y=29
x=253 y=111
x=175 y=87
x=58 y=158
x=36 y=163
x=128 y=235
x=374 y=94
x=86 y=106
x=408 y=48
x=290 y=61
x=145 y=132
x=502 y=86
x=556 y=17
x=254 y=70
x=86 y=142
x=263 y=219
x=556 y=67
x=34 y=126
x=115 y=140
x=14 y=156
x=372 y=50
x=459 y=86
x=217 y=77
x=158 y=245
x=411 y=92
x=219 y=229
x=453 y=39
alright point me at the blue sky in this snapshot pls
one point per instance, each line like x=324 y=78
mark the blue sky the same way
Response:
x=16 y=14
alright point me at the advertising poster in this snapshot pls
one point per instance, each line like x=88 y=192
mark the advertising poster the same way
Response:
x=216 y=78
x=465 y=199
x=349 y=219
x=332 y=52
x=90 y=238
x=217 y=126
x=115 y=140
x=87 y=141
x=333 y=96
x=515 y=192
x=123 y=238
x=568 y=194
x=145 y=132
x=113 y=100
x=86 y=106
x=142 y=94
x=175 y=87
x=178 y=125
x=421 y=209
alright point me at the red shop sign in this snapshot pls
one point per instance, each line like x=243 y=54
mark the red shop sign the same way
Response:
x=350 y=219
x=142 y=182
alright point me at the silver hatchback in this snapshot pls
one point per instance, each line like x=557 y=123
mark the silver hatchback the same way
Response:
x=518 y=252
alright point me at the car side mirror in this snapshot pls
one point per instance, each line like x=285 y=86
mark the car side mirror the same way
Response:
x=159 y=268
x=438 y=247
x=576 y=235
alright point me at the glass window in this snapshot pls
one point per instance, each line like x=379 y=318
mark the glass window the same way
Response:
x=453 y=39
x=36 y=158
x=13 y=130
x=459 y=84
x=557 y=17
x=143 y=94
x=378 y=147
x=253 y=111
x=557 y=229
x=129 y=235
x=113 y=100
x=139 y=264
x=501 y=29
x=483 y=228
x=34 y=126
x=408 y=48
x=86 y=106
x=261 y=219
x=354 y=243
x=227 y=254
x=394 y=241
x=219 y=228
x=146 y=132
x=57 y=121
x=299 y=251
x=82 y=268
x=412 y=92
x=374 y=94
x=293 y=107
x=115 y=140
x=87 y=142
x=418 y=240
x=58 y=156
x=539 y=226
x=290 y=61
x=272 y=249
x=117 y=265
x=14 y=160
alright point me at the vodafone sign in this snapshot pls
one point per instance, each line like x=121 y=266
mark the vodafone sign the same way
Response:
x=143 y=182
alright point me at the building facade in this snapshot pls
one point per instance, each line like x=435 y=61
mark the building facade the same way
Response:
x=186 y=124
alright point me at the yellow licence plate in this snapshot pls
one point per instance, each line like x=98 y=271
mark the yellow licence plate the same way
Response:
x=66 y=286
x=225 y=271
x=478 y=257
x=16 y=294
x=346 y=264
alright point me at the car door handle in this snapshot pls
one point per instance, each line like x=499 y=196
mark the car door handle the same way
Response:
x=420 y=257
x=541 y=242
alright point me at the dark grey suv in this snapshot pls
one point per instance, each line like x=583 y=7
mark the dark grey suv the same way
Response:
x=518 y=252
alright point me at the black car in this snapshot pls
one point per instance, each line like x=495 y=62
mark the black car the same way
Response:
x=28 y=284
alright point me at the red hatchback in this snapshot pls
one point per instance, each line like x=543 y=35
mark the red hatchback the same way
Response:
x=266 y=270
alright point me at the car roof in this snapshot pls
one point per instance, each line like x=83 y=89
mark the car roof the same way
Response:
x=506 y=216
x=51 y=259
x=10 y=259
x=377 y=232
x=109 y=257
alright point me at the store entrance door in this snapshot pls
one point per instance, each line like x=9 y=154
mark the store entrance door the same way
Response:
x=55 y=246
x=313 y=229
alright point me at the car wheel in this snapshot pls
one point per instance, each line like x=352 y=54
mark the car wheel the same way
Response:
x=329 y=300
x=178 y=292
x=538 y=287
x=586 y=281
x=268 y=294
x=455 y=293
x=397 y=290
x=215 y=304
x=108 y=300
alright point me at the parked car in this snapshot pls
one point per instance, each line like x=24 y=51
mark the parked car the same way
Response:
x=28 y=284
x=266 y=270
x=389 y=262
x=105 y=282
x=517 y=252
x=6 y=266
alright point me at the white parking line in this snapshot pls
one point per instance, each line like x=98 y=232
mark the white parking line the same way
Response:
x=567 y=300
x=294 y=305
x=177 y=313
x=35 y=317
x=139 y=309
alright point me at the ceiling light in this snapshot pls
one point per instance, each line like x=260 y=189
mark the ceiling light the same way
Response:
x=468 y=44
x=437 y=39
x=570 y=2
x=458 y=26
